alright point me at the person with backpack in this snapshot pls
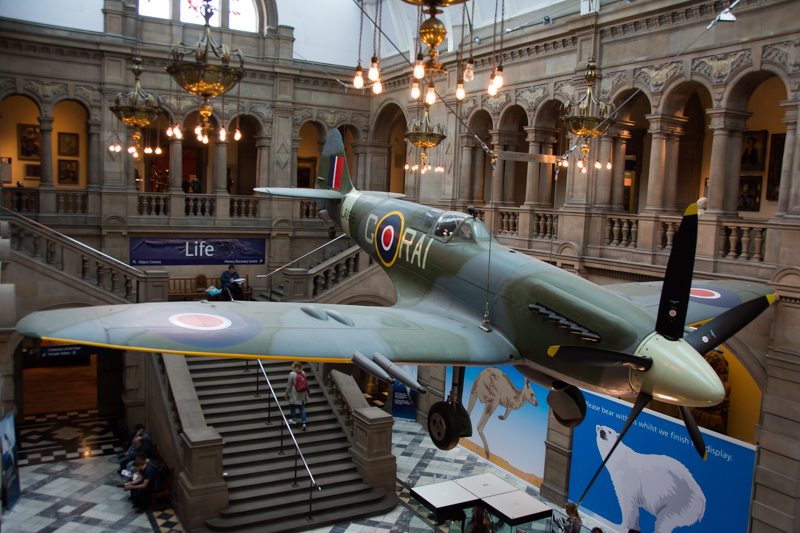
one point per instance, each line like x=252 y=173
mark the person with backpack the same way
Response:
x=148 y=483
x=297 y=392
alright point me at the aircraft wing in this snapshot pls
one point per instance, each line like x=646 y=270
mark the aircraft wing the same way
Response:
x=307 y=332
x=708 y=298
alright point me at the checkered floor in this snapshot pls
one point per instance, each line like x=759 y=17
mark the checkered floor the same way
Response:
x=60 y=495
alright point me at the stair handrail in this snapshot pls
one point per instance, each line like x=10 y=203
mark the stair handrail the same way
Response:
x=4 y=212
x=298 y=453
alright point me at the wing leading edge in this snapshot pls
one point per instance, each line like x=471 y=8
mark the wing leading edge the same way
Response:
x=306 y=332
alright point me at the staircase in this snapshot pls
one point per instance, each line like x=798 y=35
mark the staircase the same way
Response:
x=262 y=495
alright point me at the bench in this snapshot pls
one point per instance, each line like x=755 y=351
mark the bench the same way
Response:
x=194 y=288
x=163 y=498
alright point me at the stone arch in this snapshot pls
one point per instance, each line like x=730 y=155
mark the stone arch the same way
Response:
x=742 y=86
x=267 y=15
x=548 y=112
x=674 y=98
x=387 y=140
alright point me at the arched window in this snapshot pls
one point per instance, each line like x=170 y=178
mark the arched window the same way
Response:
x=192 y=12
x=154 y=8
x=243 y=15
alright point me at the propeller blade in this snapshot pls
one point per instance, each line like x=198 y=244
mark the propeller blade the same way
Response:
x=714 y=332
x=587 y=356
x=671 y=316
x=641 y=401
x=694 y=432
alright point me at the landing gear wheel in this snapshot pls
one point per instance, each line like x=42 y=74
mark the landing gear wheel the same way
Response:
x=568 y=405
x=443 y=426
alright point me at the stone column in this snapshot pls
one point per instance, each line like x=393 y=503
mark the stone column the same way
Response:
x=655 y=180
x=46 y=129
x=618 y=171
x=220 y=168
x=789 y=155
x=478 y=176
x=728 y=126
x=671 y=170
x=546 y=176
x=602 y=195
x=295 y=148
x=532 y=176
x=794 y=187
x=465 y=184
x=94 y=156
x=175 y=164
x=262 y=160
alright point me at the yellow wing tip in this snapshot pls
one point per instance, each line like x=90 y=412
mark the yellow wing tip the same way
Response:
x=705 y=456
x=551 y=351
x=691 y=210
x=772 y=297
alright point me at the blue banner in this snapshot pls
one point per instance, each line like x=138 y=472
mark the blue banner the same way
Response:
x=161 y=251
x=655 y=480
x=10 y=466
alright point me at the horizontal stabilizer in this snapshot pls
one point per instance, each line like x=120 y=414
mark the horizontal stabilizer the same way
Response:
x=397 y=373
x=365 y=364
x=313 y=194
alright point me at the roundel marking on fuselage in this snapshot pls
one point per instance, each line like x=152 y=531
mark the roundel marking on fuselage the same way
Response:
x=388 y=234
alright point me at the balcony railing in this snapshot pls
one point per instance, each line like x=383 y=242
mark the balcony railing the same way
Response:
x=741 y=241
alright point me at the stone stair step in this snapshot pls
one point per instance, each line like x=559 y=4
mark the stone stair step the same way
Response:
x=255 y=455
x=250 y=498
x=318 y=465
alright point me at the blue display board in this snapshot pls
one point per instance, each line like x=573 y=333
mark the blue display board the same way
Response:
x=501 y=406
x=158 y=251
x=655 y=474
x=10 y=466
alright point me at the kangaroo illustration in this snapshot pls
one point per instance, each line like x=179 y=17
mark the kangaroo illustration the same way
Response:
x=494 y=388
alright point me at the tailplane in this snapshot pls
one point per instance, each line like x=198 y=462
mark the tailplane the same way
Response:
x=333 y=178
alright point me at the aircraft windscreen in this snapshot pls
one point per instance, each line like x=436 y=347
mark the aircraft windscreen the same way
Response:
x=480 y=231
x=447 y=223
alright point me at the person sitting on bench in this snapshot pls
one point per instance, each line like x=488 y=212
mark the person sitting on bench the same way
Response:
x=228 y=281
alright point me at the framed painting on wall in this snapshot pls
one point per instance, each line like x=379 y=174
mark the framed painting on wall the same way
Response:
x=776 y=147
x=67 y=172
x=68 y=144
x=29 y=140
x=749 y=193
x=754 y=150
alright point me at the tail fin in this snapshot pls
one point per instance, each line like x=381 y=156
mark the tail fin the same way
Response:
x=333 y=173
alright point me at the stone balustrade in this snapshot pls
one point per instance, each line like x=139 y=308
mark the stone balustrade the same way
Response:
x=21 y=200
x=244 y=206
x=742 y=241
x=621 y=232
x=308 y=209
x=508 y=222
x=72 y=202
x=545 y=226
x=153 y=204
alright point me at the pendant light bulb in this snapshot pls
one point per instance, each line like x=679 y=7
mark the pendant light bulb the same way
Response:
x=430 y=96
x=608 y=165
x=205 y=139
x=169 y=131
x=419 y=67
x=469 y=70
x=223 y=134
x=157 y=150
x=237 y=135
x=177 y=131
x=498 y=78
x=492 y=90
x=377 y=87
x=358 y=80
x=197 y=130
x=415 y=90
x=373 y=74
x=460 y=93
x=598 y=165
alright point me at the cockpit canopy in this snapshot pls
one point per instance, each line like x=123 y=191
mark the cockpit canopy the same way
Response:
x=453 y=226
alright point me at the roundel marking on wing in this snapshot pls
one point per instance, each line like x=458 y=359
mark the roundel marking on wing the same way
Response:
x=706 y=294
x=389 y=231
x=715 y=297
x=205 y=328
x=200 y=321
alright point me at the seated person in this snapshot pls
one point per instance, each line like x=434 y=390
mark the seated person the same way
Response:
x=139 y=445
x=148 y=483
x=138 y=431
x=227 y=282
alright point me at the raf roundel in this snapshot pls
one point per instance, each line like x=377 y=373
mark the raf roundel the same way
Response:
x=705 y=294
x=200 y=321
x=388 y=233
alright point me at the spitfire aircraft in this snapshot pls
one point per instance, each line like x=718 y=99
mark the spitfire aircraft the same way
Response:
x=462 y=300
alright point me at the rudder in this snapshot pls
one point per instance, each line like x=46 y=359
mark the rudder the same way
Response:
x=333 y=172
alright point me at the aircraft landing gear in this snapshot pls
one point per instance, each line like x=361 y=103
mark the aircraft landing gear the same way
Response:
x=443 y=426
x=568 y=405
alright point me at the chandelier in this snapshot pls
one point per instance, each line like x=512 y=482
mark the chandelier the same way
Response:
x=204 y=79
x=589 y=119
x=425 y=135
x=136 y=109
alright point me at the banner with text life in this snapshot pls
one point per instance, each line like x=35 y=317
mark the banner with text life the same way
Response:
x=177 y=251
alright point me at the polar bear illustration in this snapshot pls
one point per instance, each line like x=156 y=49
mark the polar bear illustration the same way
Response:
x=658 y=483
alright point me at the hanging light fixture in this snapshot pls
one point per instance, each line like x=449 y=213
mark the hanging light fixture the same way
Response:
x=589 y=118
x=425 y=135
x=358 y=79
x=202 y=78
x=136 y=108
